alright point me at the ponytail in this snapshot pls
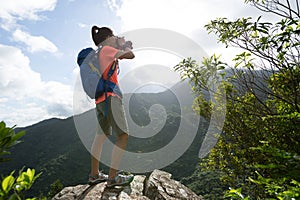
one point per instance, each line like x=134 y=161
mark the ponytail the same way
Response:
x=95 y=29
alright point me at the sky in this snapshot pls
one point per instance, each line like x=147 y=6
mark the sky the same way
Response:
x=40 y=40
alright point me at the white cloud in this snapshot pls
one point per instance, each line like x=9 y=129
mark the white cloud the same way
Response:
x=16 y=73
x=13 y=11
x=82 y=25
x=21 y=114
x=186 y=17
x=113 y=5
x=176 y=15
x=34 y=43
x=25 y=97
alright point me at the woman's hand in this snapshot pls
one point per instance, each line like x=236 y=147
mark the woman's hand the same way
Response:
x=120 y=42
x=128 y=44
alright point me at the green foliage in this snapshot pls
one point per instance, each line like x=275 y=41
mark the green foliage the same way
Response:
x=282 y=184
x=206 y=184
x=263 y=92
x=55 y=188
x=284 y=168
x=8 y=138
x=13 y=187
x=235 y=194
x=203 y=78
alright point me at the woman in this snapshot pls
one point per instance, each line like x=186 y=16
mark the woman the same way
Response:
x=112 y=49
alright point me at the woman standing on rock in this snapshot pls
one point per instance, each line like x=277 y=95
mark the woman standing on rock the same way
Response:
x=109 y=108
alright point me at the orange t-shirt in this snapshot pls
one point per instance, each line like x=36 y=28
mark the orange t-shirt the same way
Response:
x=106 y=59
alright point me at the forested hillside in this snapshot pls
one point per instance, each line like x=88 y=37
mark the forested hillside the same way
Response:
x=54 y=148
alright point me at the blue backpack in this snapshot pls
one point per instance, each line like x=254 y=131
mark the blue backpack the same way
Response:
x=92 y=80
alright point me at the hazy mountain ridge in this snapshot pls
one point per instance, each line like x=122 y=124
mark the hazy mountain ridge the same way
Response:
x=54 y=147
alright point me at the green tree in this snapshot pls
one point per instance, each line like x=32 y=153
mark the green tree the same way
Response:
x=55 y=188
x=13 y=187
x=8 y=138
x=258 y=150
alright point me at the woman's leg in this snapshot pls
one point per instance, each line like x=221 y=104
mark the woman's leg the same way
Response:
x=96 y=152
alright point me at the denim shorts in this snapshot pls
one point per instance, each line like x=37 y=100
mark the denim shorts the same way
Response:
x=115 y=118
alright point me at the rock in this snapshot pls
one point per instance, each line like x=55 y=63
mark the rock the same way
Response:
x=81 y=192
x=158 y=186
x=161 y=186
x=137 y=185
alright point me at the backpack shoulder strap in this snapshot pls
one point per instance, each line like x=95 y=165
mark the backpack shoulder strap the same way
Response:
x=91 y=64
x=93 y=68
x=112 y=69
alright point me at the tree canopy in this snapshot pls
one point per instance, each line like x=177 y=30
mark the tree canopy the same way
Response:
x=258 y=150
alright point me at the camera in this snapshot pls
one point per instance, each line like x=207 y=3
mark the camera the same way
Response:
x=128 y=44
x=122 y=44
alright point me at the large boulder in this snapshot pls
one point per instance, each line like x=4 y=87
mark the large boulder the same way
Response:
x=158 y=186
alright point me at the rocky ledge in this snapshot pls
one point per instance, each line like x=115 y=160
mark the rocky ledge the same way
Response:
x=157 y=186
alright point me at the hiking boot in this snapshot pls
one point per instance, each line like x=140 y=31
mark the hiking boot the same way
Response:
x=99 y=178
x=120 y=180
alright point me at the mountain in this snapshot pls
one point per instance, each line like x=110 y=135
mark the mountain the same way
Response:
x=55 y=148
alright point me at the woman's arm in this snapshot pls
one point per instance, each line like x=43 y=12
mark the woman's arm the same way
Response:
x=126 y=54
x=125 y=46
